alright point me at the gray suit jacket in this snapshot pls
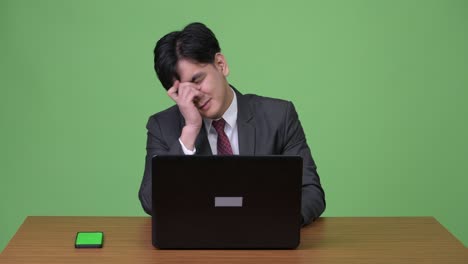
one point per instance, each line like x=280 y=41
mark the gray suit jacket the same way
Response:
x=266 y=126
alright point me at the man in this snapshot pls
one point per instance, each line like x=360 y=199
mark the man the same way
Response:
x=213 y=118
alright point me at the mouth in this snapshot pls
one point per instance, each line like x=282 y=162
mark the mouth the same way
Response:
x=204 y=105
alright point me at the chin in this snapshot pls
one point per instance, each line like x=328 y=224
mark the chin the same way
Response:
x=212 y=114
x=211 y=117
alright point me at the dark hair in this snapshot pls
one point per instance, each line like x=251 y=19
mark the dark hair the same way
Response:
x=195 y=42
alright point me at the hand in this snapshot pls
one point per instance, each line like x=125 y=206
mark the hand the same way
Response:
x=186 y=95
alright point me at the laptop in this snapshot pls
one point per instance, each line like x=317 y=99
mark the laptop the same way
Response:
x=226 y=202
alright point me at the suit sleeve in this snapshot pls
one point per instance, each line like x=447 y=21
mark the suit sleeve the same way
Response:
x=155 y=145
x=313 y=196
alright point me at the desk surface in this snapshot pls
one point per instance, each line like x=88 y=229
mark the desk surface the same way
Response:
x=328 y=240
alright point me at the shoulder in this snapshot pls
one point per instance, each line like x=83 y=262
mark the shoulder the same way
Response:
x=167 y=117
x=169 y=112
x=270 y=105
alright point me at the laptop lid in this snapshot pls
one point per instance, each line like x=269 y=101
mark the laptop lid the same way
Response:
x=226 y=201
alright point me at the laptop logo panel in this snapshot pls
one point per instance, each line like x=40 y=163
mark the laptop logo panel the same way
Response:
x=228 y=201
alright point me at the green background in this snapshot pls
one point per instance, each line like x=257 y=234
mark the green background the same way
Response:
x=380 y=87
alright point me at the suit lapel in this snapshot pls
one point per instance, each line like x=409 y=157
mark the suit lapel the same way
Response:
x=245 y=125
x=201 y=143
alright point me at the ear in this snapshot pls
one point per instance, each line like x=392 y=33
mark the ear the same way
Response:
x=221 y=64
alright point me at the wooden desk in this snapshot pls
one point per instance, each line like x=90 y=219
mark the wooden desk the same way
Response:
x=329 y=240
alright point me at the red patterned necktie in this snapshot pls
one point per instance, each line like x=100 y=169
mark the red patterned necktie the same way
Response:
x=224 y=146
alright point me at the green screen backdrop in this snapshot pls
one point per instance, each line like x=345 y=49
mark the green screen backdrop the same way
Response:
x=380 y=88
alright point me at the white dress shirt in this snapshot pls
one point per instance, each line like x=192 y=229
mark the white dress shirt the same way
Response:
x=230 y=116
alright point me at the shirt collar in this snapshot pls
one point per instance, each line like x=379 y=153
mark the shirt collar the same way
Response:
x=230 y=116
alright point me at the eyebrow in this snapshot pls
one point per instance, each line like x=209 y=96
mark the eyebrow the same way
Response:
x=197 y=76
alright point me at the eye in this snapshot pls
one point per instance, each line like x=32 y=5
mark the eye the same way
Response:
x=198 y=78
x=198 y=81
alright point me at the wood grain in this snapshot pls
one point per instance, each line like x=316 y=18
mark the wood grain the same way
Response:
x=42 y=239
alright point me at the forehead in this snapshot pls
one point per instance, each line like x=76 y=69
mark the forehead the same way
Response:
x=187 y=69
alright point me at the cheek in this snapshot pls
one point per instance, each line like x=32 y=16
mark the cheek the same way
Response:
x=207 y=87
x=212 y=87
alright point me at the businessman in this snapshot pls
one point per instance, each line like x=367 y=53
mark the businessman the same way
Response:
x=211 y=117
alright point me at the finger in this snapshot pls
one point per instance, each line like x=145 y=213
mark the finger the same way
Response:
x=189 y=94
x=173 y=92
x=185 y=88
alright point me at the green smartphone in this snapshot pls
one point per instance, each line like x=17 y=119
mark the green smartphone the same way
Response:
x=89 y=239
